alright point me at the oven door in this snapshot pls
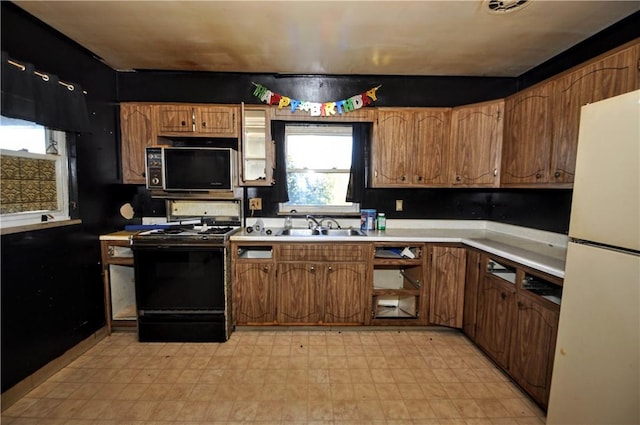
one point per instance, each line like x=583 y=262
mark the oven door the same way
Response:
x=179 y=278
x=180 y=293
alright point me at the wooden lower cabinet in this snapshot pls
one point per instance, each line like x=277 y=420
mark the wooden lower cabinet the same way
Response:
x=321 y=293
x=496 y=305
x=446 y=301
x=299 y=294
x=345 y=293
x=533 y=346
x=515 y=321
x=472 y=280
x=253 y=297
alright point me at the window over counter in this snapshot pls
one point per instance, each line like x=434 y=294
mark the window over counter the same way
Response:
x=318 y=164
x=34 y=178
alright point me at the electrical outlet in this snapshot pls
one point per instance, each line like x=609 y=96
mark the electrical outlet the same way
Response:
x=255 y=204
x=399 y=205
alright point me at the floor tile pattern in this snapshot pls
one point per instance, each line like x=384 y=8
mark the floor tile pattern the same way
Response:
x=264 y=377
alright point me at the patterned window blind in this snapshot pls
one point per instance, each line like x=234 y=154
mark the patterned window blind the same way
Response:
x=27 y=184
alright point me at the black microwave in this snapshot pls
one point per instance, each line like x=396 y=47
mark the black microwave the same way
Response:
x=189 y=169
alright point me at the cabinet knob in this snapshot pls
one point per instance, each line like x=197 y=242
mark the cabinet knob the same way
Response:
x=503 y=296
x=183 y=123
x=458 y=178
x=557 y=174
x=403 y=178
x=312 y=269
x=495 y=172
x=520 y=305
x=330 y=269
x=265 y=269
x=538 y=175
x=419 y=178
x=204 y=124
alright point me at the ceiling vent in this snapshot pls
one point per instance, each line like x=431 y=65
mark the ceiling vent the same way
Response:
x=505 y=6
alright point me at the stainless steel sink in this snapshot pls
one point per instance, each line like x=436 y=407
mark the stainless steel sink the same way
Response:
x=321 y=232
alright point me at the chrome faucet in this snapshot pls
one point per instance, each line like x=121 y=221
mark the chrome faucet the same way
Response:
x=329 y=219
x=311 y=219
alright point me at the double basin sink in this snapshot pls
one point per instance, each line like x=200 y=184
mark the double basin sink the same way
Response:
x=321 y=232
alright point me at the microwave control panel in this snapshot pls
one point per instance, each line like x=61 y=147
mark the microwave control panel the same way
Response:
x=155 y=176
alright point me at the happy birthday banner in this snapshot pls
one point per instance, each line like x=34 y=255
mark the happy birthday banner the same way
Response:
x=316 y=109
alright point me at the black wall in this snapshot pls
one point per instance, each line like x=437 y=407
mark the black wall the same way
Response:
x=51 y=279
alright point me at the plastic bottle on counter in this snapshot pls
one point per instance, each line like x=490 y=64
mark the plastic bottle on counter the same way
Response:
x=382 y=221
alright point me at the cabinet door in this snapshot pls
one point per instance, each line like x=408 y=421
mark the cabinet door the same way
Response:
x=446 y=303
x=472 y=278
x=533 y=347
x=430 y=151
x=345 y=293
x=391 y=144
x=613 y=75
x=476 y=141
x=299 y=296
x=137 y=132
x=526 y=148
x=175 y=119
x=220 y=121
x=496 y=304
x=253 y=292
x=257 y=152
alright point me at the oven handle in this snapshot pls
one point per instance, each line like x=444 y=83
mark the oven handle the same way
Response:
x=183 y=247
x=165 y=312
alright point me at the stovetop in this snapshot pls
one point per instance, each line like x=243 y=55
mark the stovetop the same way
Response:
x=185 y=234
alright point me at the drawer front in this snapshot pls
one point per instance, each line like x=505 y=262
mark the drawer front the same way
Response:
x=322 y=252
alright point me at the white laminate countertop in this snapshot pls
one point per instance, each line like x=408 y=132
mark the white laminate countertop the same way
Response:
x=539 y=250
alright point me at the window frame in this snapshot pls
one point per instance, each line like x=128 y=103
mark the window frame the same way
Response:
x=312 y=128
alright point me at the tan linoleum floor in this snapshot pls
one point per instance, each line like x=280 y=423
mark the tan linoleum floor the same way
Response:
x=434 y=377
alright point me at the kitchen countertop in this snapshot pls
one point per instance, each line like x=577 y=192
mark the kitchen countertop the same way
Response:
x=539 y=250
x=122 y=235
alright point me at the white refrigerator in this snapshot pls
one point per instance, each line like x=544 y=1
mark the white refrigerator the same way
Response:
x=596 y=373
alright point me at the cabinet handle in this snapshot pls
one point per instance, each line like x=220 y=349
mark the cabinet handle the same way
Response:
x=495 y=172
x=557 y=174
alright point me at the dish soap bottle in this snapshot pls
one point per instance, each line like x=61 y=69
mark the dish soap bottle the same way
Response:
x=382 y=221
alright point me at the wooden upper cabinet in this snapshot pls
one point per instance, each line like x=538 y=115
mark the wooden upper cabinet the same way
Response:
x=476 y=142
x=138 y=131
x=410 y=147
x=205 y=120
x=430 y=152
x=610 y=76
x=391 y=144
x=526 y=146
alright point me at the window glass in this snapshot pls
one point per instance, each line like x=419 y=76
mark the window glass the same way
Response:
x=318 y=165
x=33 y=173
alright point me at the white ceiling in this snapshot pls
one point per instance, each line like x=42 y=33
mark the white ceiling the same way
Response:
x=329 y=37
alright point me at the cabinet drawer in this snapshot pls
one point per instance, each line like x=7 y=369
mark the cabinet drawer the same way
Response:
x=313 y=252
